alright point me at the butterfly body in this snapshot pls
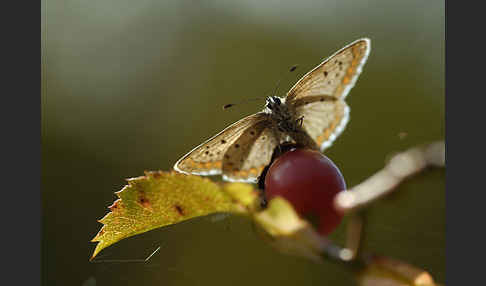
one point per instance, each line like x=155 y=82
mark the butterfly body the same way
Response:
x=312 y=114
x=286 y=122
x=281 y=114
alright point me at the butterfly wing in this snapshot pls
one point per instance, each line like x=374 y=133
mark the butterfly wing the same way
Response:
x=246 y=158
x=319 y=95
x=207 y=158
x=336 y=75
x=324 y=120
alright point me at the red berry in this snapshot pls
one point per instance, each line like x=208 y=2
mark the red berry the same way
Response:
x=309 y=181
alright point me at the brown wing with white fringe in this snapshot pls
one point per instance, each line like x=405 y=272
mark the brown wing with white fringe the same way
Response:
x=207 y=158
x=319 y=95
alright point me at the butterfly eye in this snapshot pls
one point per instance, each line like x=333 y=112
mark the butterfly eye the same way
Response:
x=269 y=106
x=277 y=100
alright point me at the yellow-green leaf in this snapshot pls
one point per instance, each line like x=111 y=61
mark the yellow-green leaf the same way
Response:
x=244 y=194
x=161 y=198
x=289 y=233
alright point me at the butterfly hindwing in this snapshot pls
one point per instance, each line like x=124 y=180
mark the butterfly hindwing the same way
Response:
x=336 y=75
x=324 y=120
x=247 y=157
x=207 y=158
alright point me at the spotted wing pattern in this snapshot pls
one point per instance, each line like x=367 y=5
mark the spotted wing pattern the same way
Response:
x=207 y=158
x=319 y=95
x=336 y=75
x=246 y=158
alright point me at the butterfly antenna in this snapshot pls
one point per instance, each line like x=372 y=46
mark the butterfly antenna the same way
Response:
x=243 y=101
x=293 y=68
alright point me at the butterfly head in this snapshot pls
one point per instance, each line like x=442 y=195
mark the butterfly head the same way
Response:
x=274 y=104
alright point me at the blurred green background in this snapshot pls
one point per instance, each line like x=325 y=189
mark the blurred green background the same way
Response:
x=129 y=86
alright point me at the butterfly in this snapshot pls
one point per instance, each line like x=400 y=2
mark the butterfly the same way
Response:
x=312 y=114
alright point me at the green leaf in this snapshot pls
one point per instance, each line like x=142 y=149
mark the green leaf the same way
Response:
x=160 y=198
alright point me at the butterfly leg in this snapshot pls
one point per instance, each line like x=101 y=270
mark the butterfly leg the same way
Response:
x=300 y=121
x=303 y=139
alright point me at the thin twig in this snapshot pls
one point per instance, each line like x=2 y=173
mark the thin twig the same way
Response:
x=400 y=167
x=355 y=233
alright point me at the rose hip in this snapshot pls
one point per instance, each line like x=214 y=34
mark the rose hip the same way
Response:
x=309 y=181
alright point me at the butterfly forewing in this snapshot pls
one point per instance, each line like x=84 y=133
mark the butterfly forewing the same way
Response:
x=207 y=158
x=336 y=75
x=247 y=157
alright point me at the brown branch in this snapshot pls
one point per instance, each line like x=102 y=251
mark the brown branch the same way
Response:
x=400 y=167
